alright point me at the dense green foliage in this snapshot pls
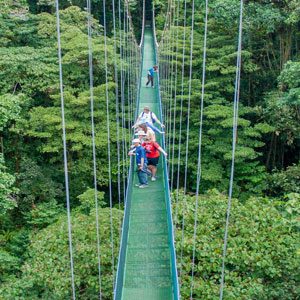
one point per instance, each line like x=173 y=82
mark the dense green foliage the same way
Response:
x=7 y=201
x=32 y=193
x=46 y=272
x=268 y=125
x=262 y=258
x=267 y=172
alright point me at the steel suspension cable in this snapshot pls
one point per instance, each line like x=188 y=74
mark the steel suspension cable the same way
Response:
x=125 y=31
x=163 y=44
x=134 y=55
x=175 y=95
x=166 y=67
x=143 y=24
x=137 y=68
x=91 y=78
x=108 y=142
x=234 y=136
x=165 y=24
x=124 y=80
x=117 y=103
x=199 y=165
x=181 y=108
x=122 y=100
x=133 y=82
x=136 y=75
x=171 y=86
x=130 y=83
x=189 y=96
x=187 y=133
x=128 y=68
x=166 y=100
x=168 y=42
x=167 y=64
x=65 y=148
x=167 y=79
x=128 y=42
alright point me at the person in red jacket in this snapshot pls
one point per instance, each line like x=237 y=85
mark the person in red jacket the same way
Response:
x=152 y=154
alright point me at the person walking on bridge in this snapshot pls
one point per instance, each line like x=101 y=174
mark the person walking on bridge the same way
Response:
x=149 y=133
x=150 y=75
x=148 y=117
x=141 y=161
x=152 y=154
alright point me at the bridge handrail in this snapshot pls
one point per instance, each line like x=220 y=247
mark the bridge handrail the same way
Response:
x=125 y=227
x=166 y=182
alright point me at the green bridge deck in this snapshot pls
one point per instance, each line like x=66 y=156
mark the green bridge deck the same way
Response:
x=147 y=266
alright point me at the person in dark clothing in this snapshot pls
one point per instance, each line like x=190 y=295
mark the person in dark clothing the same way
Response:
x=141 y=161
x=150 y=75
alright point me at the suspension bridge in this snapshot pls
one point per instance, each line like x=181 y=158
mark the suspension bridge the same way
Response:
x=147 y=266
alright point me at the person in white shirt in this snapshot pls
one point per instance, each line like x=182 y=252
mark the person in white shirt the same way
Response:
x=149 y=118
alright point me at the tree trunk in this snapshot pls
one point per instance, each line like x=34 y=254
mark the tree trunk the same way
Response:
x=2 y=145
x=285 y=38
x=282 y=155
x=270 y=152
x=275 y=152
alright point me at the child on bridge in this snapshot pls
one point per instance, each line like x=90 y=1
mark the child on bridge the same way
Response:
x=141 y=161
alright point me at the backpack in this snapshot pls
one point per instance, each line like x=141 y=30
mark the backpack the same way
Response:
x=153 y=120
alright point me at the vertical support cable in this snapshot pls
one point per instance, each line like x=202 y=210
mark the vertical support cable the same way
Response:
x=189 y=98
x=131 y=76
x=127 y=43
x=175 y=96
x=234 y=135
x=117 y=103
x=199 y=166
x=137 y=69
x=108 y=142
x=181 y=107
x=187 y=135
x=65 y=148
x=171 y=85
x=91 y=77
x=143 y=24
x=124 y=78
x=176 y=292
x=167 y=74
x=122 y=101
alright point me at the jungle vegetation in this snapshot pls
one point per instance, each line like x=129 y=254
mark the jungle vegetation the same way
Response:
x=263 y=256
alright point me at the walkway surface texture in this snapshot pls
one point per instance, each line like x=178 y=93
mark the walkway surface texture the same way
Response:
x=147 y=267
